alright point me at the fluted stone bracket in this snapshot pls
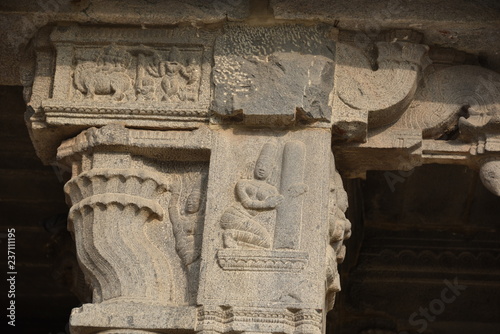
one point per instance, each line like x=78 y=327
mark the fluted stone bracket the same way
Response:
x=137 y=202
x=453 y=119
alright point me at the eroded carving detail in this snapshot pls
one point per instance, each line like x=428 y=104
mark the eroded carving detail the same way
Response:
x=446 y=97
x=291 y=79
x=339 y=230
x=490 y=176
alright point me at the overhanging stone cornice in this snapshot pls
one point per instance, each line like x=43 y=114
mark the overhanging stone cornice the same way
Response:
x=179 y=78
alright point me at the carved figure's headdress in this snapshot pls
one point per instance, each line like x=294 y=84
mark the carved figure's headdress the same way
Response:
x=268 y=154
x=176 y=56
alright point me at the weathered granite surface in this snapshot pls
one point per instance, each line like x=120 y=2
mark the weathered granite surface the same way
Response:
x=470 y=26
x=204 y=195
x=465 y=25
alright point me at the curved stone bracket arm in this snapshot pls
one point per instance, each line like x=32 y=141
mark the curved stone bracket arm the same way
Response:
x=366 y=98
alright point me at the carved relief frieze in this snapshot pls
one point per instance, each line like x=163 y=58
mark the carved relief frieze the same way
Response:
x=237 y=319
x=150 y=77
x=259 y=197
x=129 y=74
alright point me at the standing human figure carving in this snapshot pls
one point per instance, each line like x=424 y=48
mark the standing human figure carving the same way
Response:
x=185 y=226
x=253 y=197
x=172 y=83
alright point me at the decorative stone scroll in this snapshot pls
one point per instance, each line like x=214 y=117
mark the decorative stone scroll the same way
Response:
x=454 y=118
x=368 y=98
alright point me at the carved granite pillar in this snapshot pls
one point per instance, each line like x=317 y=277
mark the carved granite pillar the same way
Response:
x=137 y=220
x=204 y=195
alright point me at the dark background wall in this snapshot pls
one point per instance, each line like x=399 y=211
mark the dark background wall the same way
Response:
x=31 y=196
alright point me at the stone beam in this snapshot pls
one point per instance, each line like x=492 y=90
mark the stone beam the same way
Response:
x=469 y=26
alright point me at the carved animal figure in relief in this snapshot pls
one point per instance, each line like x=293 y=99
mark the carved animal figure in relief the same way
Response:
x=254 y=196
x=185 y=226
x=106 y=76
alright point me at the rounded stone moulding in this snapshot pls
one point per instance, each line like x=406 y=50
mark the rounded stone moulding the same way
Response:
x=490 y=176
